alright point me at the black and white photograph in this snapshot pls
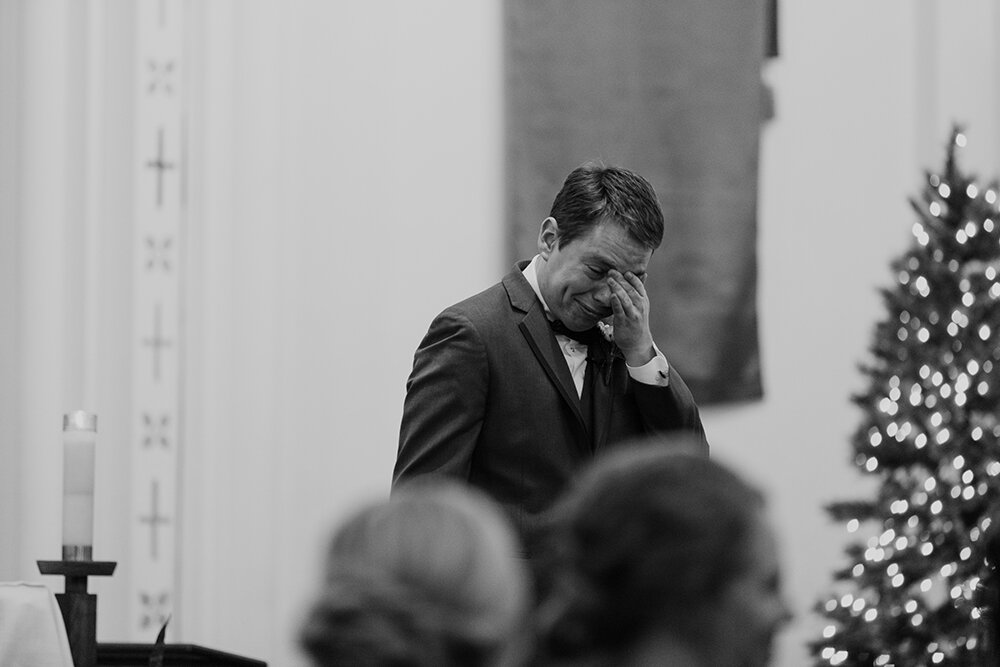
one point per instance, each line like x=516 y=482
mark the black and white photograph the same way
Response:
x=499 y=333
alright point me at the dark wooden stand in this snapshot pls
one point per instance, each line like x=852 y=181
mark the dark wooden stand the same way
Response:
x=79 y=608
x=79 y=612
x=174 y=655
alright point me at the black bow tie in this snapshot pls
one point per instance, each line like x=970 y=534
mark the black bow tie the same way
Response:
x=587 y=336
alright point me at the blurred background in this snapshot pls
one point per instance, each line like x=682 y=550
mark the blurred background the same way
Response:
x=293 y=206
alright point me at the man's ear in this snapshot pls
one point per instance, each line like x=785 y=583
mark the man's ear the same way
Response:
x=548 y=237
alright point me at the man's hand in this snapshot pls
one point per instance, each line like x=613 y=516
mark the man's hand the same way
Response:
x=630 y=306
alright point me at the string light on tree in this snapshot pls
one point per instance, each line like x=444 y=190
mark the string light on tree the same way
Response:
x=911 y=592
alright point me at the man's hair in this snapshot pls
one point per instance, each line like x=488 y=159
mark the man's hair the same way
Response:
x=594 y=193
x=646 y=538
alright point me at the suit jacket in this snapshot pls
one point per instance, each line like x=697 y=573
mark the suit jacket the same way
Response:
x=491 y=400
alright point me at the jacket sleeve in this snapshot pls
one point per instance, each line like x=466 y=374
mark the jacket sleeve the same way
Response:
x=445 y=401
x=672 y=410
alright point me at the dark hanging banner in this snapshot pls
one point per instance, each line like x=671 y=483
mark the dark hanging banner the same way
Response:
x=673 y=91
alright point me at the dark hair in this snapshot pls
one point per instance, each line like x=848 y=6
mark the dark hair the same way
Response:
x=646 y=538
x=595 y=193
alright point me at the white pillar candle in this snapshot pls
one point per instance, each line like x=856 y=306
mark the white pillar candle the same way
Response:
x=79 y=438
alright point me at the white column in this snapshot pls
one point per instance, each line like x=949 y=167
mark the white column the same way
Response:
x=208 y=325
x=10 y=262
x=957 y=78
x=50 y=225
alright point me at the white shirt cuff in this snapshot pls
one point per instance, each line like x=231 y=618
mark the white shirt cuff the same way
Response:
x=656 y=371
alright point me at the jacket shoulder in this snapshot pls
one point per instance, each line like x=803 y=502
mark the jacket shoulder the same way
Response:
x=512 y=292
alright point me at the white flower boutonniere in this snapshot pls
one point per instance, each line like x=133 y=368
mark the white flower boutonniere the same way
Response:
x=605 y=355
x=607 y=330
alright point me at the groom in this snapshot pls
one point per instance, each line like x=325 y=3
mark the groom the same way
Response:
x=517 y=387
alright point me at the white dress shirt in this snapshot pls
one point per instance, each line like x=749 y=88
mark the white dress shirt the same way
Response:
x=655 y=371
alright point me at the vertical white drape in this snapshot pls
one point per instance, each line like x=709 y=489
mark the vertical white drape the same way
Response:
x=231 y=510
x=10 y=349
x=54 y=306
x=64 y=179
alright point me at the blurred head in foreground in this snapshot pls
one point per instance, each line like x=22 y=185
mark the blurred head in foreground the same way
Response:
x=655 y=557
x=427 y=578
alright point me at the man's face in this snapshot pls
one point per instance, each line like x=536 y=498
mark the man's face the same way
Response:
x=753 y=608
x=574 y=278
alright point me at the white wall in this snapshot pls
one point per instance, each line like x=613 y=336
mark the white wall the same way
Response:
x=348 y=167
x=865 y=96
x=345 y=166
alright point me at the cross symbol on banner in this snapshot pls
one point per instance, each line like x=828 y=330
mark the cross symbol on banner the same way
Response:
x=160 y=75
x=157 y=342
x=155 y=520
x=155 y=609
x=160 y=165
x=159 y=253
x=156 y=430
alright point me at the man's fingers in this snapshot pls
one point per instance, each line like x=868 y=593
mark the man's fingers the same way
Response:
x=624 y=298
x=636 y=283
x=631 y=284
x=616 y=306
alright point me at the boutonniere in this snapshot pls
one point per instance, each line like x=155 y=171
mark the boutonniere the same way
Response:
x=608 y=353
x=607 y=330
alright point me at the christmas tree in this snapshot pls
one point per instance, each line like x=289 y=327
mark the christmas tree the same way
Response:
x=917 y=586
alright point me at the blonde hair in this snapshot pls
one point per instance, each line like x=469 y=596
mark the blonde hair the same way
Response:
x=428 y=577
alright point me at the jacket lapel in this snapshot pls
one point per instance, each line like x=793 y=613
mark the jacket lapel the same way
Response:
x=535 y=328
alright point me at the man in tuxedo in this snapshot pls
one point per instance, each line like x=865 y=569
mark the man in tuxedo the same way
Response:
x=517 y=387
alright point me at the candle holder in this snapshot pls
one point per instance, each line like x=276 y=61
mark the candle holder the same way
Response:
x=79 y=608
